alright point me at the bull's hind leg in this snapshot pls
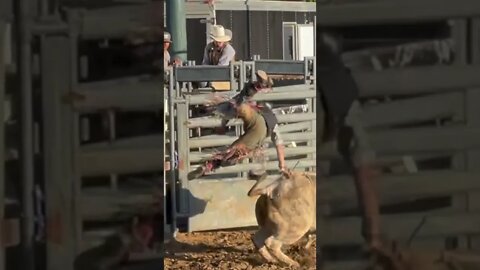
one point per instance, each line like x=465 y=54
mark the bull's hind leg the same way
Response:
x=275 y=247
x=259 y=242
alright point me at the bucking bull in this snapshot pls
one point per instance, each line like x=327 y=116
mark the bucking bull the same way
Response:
x=285 y=212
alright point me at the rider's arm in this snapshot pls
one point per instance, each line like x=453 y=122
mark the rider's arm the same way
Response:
x=277 y=140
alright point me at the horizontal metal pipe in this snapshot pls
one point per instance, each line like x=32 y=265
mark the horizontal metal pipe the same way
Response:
x=417 y=80
x=112 y=207
x=347 y=230
x=271 y=152
x=120 y=161
x=221 y=140
x=272 y=96
x=49 y=28
x=142 y=142
x=295 y=127
x=429 y=139
x=122 y=94
x=422 y=108
x=211 y=121
x=301 y=163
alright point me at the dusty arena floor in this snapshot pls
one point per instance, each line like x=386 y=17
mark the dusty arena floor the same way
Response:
x=229 y=250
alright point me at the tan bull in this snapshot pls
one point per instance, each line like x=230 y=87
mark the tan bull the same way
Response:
x=285 y=212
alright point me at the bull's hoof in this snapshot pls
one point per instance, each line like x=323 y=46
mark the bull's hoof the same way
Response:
x=294 y=264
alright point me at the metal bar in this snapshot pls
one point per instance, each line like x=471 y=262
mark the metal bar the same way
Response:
x=209 y=122
x=221 y=140
x=222 y=73
x=163 y=142
x=173 y=181
x=347 y=230
x=49 y=28
x=472 y=98
x=300 y=163
x=43 y=4
x=57 y=152
x=398 y=187
x=271 y=152
x=281 y=67
x=183 y=155
x=103 y=205
x=6 y=10
x=73 y=124
x=3 y=29
x=126 y=95
x=27 y=152
x=148 y=141
x=272 y=96
x=389 y=12
x=202 y=73
x=417 y=80
x=120 y=161
x=176 y=24
x=425 y=139
x=285 y=6
x=112 y=135
x=299 y=126
x=420 y=109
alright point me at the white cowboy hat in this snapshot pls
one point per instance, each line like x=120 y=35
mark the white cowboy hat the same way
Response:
x=220 y=34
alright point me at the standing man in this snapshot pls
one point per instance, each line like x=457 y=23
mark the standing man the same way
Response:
x=219 y=52
x=340 y=96
x=167 y=41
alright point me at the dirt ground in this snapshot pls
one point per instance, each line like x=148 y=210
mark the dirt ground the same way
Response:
x=229 y=250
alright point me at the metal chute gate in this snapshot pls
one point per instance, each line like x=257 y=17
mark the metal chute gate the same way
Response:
x=219 y=200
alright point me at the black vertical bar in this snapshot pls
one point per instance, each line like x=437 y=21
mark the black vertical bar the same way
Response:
x=27 y=159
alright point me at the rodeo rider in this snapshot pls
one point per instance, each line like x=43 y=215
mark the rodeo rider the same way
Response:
x=262 y=124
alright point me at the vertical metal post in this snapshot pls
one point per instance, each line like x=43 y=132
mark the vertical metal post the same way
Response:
x=173 y=181
x=3 y=29
x=43 y=8
x=177 y=26
x=165 y=112
x=57 y=52
x=112 y=136
x=249 y=30
x=75 y=220
x=183 y=150
x=315 y=35
x=27 y=159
